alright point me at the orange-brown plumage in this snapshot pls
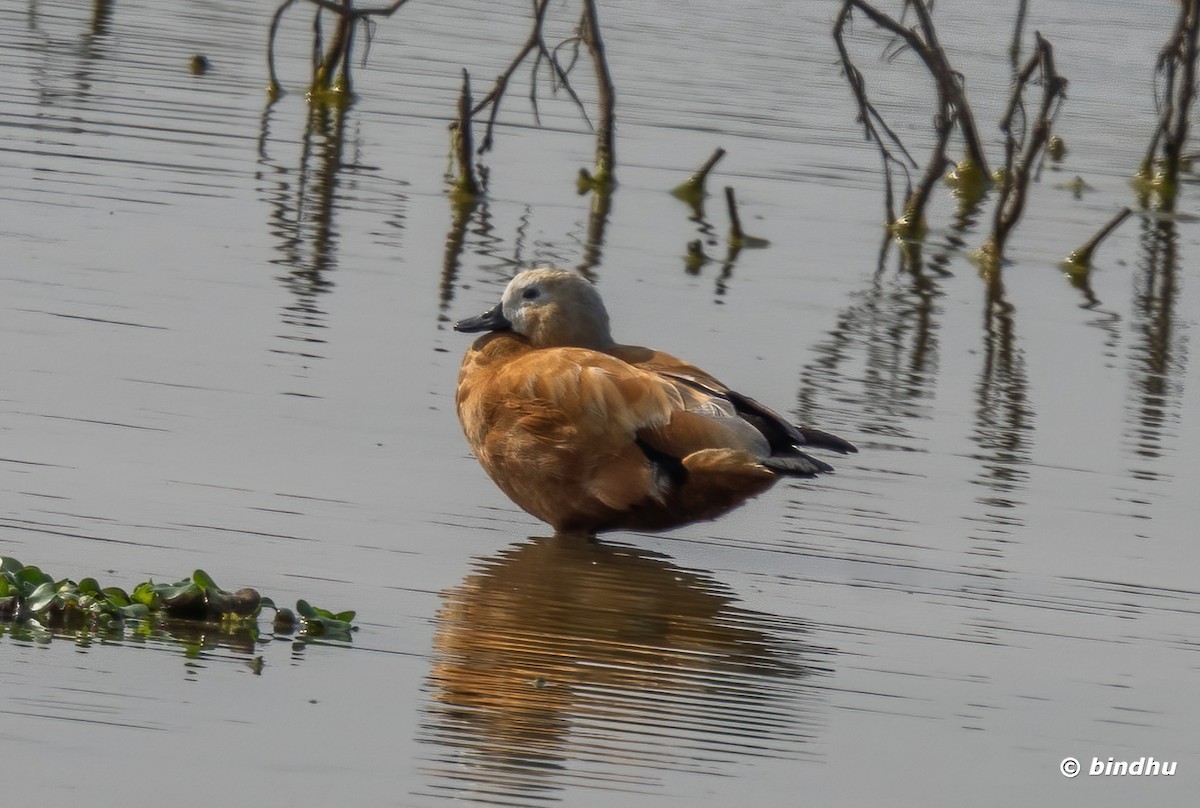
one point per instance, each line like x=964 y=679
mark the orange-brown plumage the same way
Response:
x=588 y=435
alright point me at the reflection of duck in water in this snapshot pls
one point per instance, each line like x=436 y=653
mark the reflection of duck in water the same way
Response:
x=588 y=435
x=563 y=660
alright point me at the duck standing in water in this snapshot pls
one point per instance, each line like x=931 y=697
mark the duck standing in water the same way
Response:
x=589 y=435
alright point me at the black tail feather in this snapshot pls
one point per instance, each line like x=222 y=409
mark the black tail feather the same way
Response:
x=823 y=440
x=797 y=464
x=663 y=463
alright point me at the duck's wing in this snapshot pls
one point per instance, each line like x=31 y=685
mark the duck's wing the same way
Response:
x=660 y=362
x=781 y=435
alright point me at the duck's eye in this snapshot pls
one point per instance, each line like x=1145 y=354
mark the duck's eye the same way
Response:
x=531 y=294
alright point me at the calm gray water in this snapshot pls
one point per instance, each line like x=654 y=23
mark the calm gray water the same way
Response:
x=225 y=344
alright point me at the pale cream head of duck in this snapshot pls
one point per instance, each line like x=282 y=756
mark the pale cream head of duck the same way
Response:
x=552 y=308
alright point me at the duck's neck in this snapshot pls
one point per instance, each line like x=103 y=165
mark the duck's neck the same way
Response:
x=582 y=330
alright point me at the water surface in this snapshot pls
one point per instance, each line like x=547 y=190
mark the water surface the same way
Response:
x=226 y=345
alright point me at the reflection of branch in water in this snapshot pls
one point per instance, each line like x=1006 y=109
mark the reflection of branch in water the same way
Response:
x=461 y=208
x=692 y=193
x=593 y=245
x=881 y=359
x=731 y=256
x=303 y=216
x=562 y=659
x=79 y=68
x=1003 y=415
x=522 y=235
x=98 y=30
x=1106 y=320
x=965 y=219
x=1157 y=349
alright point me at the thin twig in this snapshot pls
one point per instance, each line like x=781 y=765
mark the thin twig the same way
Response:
x=1014 y=50
x=1179 y=55
x=356 y=13
x=606 y=157
x=952 y=107
x=1028 y=141
x=274 y=88
x=349 y=16
x=535 y=43
x=1082 y=257
x=872 y=122
x=691 y=190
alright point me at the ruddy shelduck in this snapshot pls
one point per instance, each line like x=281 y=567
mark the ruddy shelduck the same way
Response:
x=589 y=435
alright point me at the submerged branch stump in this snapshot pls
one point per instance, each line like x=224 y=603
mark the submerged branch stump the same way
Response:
x=604 y=175
x=465 y=184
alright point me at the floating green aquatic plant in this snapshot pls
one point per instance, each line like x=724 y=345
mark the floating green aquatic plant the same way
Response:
x=29 y=594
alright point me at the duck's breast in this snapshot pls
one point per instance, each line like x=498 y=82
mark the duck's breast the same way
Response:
x=557 y=429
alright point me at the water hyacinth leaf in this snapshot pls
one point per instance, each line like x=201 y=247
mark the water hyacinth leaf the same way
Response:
x=117 y=596
x=31 y=594
x=305 y=609
x=145 y=594
x=324 y=614
x=169 y=593
x=134 y=611
x=41 y=597
x=319 y=621
x=32 y=577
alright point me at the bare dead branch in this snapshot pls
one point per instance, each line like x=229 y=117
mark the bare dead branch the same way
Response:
x=1014 y=50
x=274 y=89
x=535 y=44
x=872 y=122
x=357 y=13
x=1081 y=259
x=1024 y=144
x=950 y=86
x=1176 y=66
x=340 y=50
x=606 y=155
x=953 y=110
x=691 y=190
